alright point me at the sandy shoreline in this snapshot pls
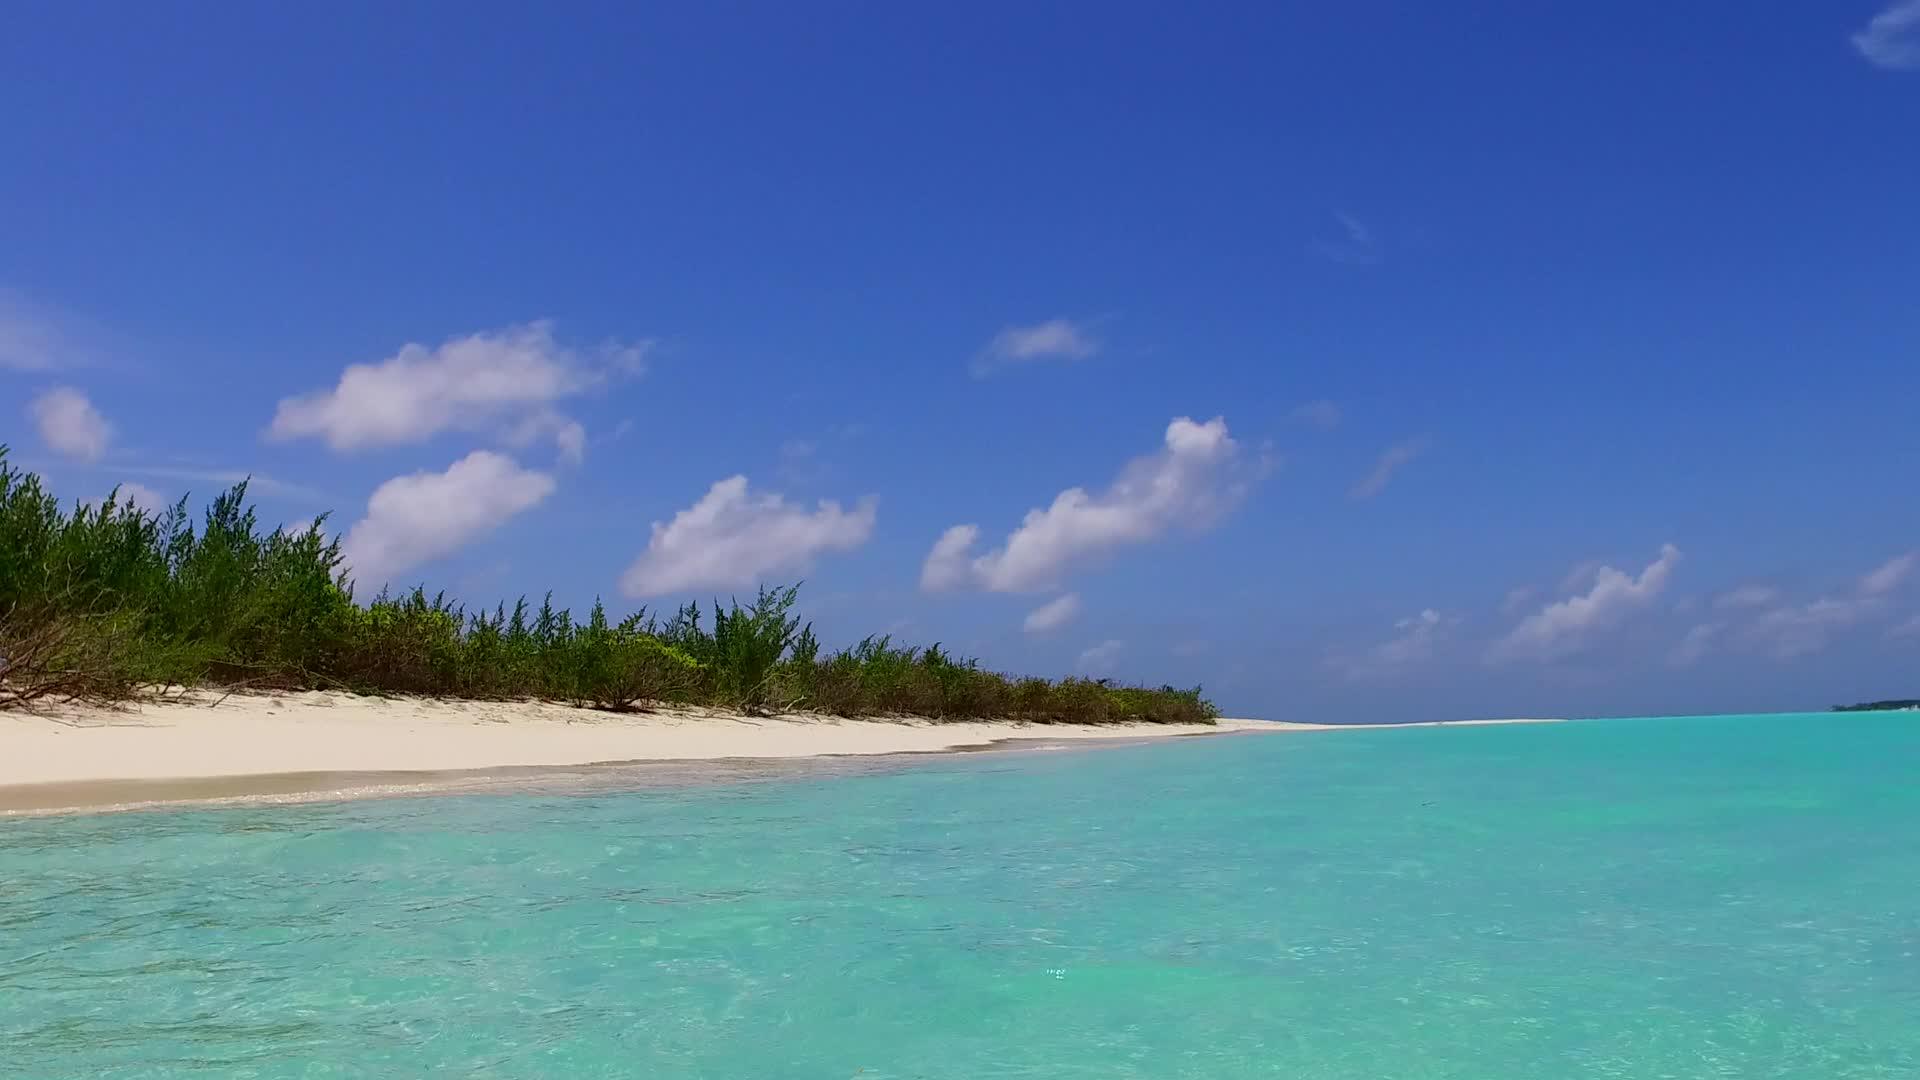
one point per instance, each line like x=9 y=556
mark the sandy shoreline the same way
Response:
x=260 y=745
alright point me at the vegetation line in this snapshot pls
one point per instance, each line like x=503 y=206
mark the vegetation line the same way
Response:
x=109 y=602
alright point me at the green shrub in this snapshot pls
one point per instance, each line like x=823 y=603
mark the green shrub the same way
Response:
x=749 y=644
x=98 y=601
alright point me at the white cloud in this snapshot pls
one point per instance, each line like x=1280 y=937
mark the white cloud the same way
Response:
x=1795 y=630
x=142 y=497
x=947 y=565
x=1755 y=619
x=70 y=425
x=1053 y=614
x=732 y=537
x=1891 y=39
x=1801 y=629
x=134 y=496
x=569 y=436
x=1890 y=575
x=1191 y=648
x=1910 y=628
x=1195 y=479
x=1055 y=339
x=1697 y=643
x=1322 y=414
x=1390 y=463
x=504 y=382
x=1568 y=626
x=1745 y=597
x=424 y=516
x=1581 y=577
x=1414 y=644
x=1100 y=658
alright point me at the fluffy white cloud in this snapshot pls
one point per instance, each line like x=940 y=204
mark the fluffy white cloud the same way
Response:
x=505 y=382
x=1391 y=461
x=142 y=497
x=136 y=496
x=1414 y=644
x=1755 y=620
x=1100 y=658
x=732 y=537
x=1568 y=626
x=70 y=425
x=426 y=515
x=948 y=565
x=1891 y=39
x=569 y=436
x=1055 y=339
x=1053 y=614
x=1795 y=630
x=1197 y=477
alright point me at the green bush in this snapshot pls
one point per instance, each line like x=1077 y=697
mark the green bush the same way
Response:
x=100 y=601
x=748 y=645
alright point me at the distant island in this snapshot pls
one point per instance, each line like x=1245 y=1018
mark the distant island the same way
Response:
x=1880 y=706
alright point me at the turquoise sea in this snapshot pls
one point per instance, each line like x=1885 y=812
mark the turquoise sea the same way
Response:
x=1652 y=898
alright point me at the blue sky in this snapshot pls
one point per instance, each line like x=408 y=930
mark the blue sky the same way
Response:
x=1393 y=362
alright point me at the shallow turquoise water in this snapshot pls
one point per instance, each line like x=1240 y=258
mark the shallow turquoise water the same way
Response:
x=1725 y=897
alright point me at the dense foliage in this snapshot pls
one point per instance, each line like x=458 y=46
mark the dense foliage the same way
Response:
x=104 y=600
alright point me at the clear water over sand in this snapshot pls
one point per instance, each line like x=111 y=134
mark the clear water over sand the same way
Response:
x=1725 y=897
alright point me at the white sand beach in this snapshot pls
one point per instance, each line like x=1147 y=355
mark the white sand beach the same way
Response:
x=206 y=745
